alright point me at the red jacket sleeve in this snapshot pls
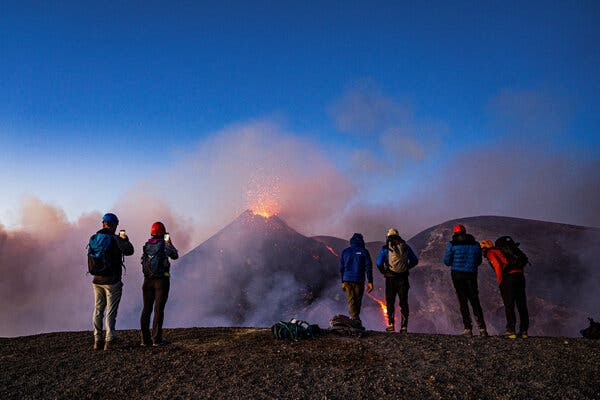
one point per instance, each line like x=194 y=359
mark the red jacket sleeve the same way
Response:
x=498 y=262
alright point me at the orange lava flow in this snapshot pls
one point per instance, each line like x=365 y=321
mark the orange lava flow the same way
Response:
x=332 y=251
x=382 y=306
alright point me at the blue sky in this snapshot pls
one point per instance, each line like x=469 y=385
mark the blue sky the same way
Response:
x=136 y=87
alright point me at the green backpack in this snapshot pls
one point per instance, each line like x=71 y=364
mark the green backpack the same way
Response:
x=295 y=330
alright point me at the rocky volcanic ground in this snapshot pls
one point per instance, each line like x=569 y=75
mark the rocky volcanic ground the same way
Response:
x=244 y=363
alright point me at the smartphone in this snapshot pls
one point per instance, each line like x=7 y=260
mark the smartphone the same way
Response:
x=122 y=234
x=167 y=237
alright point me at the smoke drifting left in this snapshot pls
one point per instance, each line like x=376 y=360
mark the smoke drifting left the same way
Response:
x=44 y=285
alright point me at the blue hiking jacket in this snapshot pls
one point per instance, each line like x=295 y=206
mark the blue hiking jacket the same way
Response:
x=355 y=261
x=463 y=253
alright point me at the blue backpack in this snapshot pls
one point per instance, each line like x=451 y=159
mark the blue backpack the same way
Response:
x=98 y=262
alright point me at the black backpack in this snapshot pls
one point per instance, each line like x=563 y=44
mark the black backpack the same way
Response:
x=592 y=331
x=98 y=260
x=515 y=257
x=154 y=260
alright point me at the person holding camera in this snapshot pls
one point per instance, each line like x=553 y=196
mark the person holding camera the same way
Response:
x=155 y=290
x=106 y=252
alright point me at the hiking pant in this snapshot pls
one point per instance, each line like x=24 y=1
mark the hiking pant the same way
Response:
x=354 y=293
x=397 y=285
x=465 y=284
x=106 y=297
x=155 y=292
x=512 y=290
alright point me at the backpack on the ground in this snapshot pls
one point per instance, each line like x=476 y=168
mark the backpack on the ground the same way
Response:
x=515 y=257
x=592 y=331
x=295 y=330
x=98 y=262
x=154 y=260
x=346 y=326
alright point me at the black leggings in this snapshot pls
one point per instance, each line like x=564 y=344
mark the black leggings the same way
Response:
x=156 y=293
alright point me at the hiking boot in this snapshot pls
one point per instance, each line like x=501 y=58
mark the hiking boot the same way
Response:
x=467 y=332
x=145 y=344
x=483 y=332
x=404 y=329
x=390 y=328
x=161 y=343
x=510 y=335
x=98 y=344
x=523 y=335
x=109 y=344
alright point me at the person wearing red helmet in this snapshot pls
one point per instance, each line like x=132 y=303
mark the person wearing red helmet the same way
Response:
x=155 y=290
x=463 y=255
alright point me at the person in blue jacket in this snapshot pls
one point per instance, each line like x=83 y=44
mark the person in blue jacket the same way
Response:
x=394 y=261
x=463 y=255
x=355 y=263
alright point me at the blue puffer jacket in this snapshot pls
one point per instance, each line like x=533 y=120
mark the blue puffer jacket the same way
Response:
x=355 y=261
x=463 y=253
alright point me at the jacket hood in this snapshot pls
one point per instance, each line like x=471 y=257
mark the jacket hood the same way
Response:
x=463 y=238
x=357 y=240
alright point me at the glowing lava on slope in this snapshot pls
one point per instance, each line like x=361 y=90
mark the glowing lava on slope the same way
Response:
x=332 y=251
x=382 y=306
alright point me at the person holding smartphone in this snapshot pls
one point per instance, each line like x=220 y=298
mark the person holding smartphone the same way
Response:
x=155 y=290
x=106 y=253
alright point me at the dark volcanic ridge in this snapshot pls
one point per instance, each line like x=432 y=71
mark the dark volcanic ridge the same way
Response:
x=247 y=363
x=258 y=270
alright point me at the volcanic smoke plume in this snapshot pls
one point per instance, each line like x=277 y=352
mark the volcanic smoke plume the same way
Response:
x=255 y=271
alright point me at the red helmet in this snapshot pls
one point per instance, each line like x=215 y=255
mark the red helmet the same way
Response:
x=459 y=229
x=158 y=229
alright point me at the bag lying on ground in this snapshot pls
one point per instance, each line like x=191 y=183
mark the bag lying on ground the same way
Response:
x=344 y=325
x=295 y=330
x=592 y=331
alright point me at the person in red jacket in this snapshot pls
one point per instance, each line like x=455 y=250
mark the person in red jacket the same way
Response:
x=512 y=289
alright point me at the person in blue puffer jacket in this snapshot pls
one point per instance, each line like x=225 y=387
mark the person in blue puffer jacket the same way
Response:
x=355 y=263
x=463 y=255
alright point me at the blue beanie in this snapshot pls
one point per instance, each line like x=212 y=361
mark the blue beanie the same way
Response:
x=111 y=219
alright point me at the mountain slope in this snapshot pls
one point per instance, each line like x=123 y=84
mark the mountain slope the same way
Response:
x=561 y=279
